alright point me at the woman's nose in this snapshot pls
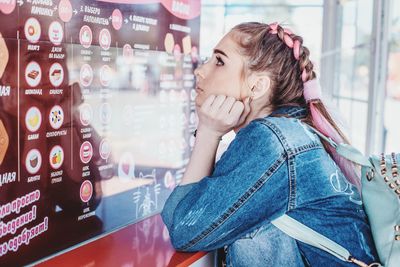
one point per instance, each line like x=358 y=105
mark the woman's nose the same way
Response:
x=198 y=72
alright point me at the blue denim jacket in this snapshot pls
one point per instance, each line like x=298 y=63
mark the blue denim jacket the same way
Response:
x=273 y=166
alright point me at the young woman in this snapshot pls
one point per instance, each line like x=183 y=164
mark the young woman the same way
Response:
x=260 y=83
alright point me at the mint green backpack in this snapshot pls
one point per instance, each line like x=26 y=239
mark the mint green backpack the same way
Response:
x=381 y=199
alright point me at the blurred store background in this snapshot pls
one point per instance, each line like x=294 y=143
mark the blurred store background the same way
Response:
x=355 y=45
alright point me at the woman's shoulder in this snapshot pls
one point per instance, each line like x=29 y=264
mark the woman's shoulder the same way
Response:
x=291 y=132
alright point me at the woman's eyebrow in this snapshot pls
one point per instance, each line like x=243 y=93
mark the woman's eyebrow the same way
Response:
x=217 y=51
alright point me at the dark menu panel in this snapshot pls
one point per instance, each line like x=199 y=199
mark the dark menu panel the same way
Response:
x=96 y=117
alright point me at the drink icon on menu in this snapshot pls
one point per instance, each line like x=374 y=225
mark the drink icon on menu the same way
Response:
x=32 y=30
x=105 y=39
x=33 y=161
x=56 y=117
x=86 y=191
x=85 y=36
x=33 y=119
x=56 y=32
x=85 y=114
x=56 y=157
x=86 y=75
x=33 y=74
x=86 y=152
x=56 y=74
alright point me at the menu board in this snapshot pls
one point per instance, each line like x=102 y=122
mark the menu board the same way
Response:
x=96 y=117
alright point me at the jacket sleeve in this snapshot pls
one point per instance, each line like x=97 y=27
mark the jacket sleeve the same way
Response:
x=248 y=186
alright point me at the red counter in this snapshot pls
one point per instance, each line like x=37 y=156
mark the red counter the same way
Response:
x=144 y=244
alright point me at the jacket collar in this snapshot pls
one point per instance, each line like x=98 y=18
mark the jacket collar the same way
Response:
x=290 y=111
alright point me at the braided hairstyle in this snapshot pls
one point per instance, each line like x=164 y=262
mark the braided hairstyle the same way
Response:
x=277 y=51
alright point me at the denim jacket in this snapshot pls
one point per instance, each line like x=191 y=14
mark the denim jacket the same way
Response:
x=274 y=166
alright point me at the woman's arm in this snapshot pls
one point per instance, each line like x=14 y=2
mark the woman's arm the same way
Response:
x=201 y=162
x=246 y=188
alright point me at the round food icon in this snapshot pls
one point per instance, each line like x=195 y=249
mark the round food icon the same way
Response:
x=33 y=74
x=56 y=157
x=56 y=117
x=105 y=113
x=126 y=167
x=169 y=180
x=86 y=191
x=116 y=19
x=85 y=114
x=33 y=119
x=65 y=10
x=56 y=74
x=86 y=152
x=105 y=149
x=33 y=161
x=7 y=7
x=105 y=39
x=85 y=36
x=127 y=53
x=105 y=75
x=56 y=32
x=86 y=75
x=32 y=30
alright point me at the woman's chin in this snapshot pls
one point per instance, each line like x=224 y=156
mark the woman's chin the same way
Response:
x=198 y=101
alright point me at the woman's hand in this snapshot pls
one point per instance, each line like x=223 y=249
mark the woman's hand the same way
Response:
x=220 y=114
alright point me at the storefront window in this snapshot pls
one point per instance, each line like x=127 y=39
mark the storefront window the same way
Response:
x=351 y=67
x=302 y=17
x=392 y=100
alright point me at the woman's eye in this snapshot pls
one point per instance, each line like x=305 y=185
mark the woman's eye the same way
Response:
x=219 y=61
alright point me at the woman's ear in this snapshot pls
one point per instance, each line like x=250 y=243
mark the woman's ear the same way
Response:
x=261 y=86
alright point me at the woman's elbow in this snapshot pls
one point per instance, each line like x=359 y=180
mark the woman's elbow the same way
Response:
x=178 y=239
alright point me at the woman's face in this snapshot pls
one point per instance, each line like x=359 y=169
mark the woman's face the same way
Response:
x=221 y=74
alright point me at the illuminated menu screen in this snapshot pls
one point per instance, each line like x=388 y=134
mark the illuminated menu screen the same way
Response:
x=96 y=117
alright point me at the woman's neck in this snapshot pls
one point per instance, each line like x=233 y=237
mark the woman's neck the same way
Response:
x=254 y=114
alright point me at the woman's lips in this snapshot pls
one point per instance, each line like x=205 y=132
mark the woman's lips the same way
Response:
x=198 y=89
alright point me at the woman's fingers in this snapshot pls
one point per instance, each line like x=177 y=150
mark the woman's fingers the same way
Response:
x=216 y=105
x=245 y=112
x=236 y=111
x=208 y=102
x=226 y=107
x=221 y=113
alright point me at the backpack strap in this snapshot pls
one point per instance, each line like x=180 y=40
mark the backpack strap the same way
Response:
x=347 y=151
x=303 y=233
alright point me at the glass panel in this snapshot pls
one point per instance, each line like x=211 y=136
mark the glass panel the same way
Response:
x=352 y=67
x=354 y=127
x=96 y=104
x=392 y=100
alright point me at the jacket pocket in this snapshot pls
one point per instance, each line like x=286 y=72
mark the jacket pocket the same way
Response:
x=252 y=233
